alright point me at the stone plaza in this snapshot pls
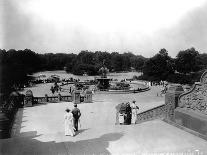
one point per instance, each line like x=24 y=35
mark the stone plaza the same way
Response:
x=40 y=130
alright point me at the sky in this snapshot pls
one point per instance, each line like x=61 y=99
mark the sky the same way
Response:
x=142 y=27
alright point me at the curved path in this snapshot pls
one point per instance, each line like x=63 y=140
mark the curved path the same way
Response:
x=40 y=130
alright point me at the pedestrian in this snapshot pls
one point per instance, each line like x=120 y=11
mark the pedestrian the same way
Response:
x=76 y=115
x=134 y=108
x=128 y=114
x=69 y=128
x=52 y=90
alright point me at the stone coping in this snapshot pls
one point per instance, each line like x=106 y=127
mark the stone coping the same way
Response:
x=140 y=111
x=186 y=129
x=192 y=112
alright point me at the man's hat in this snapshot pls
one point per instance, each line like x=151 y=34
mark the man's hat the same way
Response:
x=133 y=101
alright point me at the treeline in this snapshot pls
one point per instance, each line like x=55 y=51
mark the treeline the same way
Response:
x=186 y=68
x=91 y=62
x=16 y=65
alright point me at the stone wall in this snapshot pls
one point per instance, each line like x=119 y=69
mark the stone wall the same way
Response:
x=165 y=111
x=154 y=113
x=191 y=111
x=196 y=99
x=8 y=109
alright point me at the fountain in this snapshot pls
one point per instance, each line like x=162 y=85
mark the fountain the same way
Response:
x=106 y=85
x=103 y=81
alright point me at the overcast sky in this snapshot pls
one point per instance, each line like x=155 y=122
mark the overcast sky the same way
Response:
x=140 y=26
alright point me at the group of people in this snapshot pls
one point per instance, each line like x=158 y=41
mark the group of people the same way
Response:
x=128 y=113
x=71 y=120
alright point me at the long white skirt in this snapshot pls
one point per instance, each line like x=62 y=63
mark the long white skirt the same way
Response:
x=134 y=116
x=69 y=131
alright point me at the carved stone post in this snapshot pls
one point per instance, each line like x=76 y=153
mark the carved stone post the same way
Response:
x=76 y=97
x=88 y=97
x=46 y=97
x=59 y=97
x=171 y=100
x=28 y=102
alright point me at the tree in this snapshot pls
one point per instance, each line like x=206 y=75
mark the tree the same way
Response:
x=159 y=67
x=186 y=61
x=138 y=62
x=202 y=61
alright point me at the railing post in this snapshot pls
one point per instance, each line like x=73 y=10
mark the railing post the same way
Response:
x=59 y=97
x=46 y=97
x=77 y=97
x=28 y=100
x=171 y=100
x=88 y=97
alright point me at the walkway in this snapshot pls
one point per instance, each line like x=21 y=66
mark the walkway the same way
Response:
x=40 y=130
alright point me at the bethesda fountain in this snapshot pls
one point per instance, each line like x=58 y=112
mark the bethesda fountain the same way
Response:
x=107 y=85
x=103 y=81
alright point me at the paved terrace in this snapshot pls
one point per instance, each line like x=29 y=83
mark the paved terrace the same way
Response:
x=40 y=130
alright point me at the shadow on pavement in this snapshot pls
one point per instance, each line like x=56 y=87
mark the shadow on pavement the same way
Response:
x=80 y=131
x=29 y=145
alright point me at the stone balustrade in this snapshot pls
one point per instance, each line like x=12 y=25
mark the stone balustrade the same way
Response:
x=38 y=100
x=8 y=110
x=29 y=100
x=196 y=99
x=187 y=110
x=191 y=111
x=154 y=113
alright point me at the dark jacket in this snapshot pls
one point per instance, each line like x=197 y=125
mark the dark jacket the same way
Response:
x=76 y=113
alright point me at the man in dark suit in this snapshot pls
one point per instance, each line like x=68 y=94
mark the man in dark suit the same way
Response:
x=76 y=115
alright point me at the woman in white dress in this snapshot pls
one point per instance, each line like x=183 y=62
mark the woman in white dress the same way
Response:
x=69 y=130
x=134 y=108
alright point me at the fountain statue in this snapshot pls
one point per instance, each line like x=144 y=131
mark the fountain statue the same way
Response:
x=103 y=81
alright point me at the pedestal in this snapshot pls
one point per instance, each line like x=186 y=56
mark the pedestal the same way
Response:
x=76 y=97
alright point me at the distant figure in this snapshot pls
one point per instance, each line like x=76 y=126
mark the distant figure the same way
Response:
x=163 y=91
x=134 y=108
x=128 y=114
x=52 y=90
x=93 y=91
x=69 y=128
x=76 y=115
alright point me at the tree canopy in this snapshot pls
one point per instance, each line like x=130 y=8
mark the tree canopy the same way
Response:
x=187 y=61
x=185 y=68
x=16 y=65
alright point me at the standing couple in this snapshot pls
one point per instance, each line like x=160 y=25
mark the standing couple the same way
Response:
x=131 y=113
x=71 y=121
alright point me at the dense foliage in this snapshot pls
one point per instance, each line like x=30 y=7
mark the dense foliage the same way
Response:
x=187 y=67
x=16 y=65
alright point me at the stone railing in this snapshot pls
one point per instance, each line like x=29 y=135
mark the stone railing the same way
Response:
x=76 y=97
x=154 y=113
x=191 y=111
x=166 y=110
x=8 y=109
x=196 y=99
x=38 y=100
